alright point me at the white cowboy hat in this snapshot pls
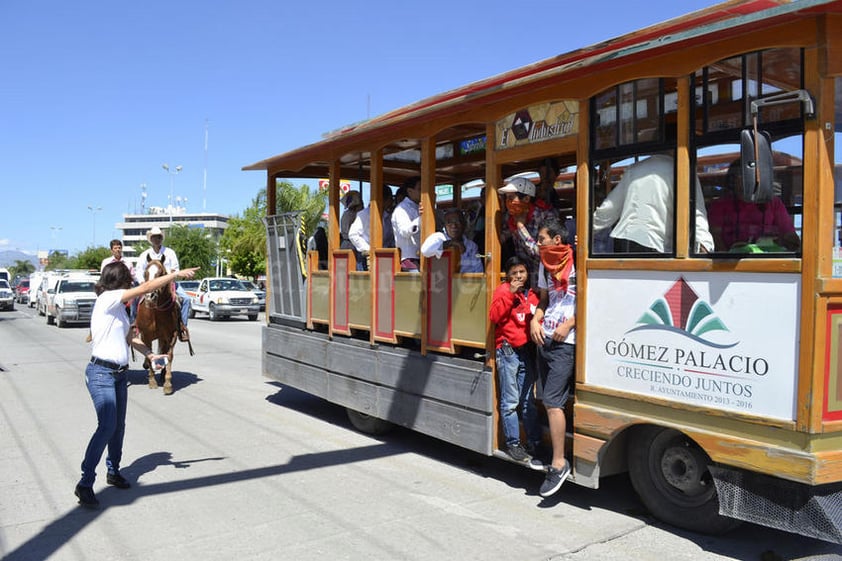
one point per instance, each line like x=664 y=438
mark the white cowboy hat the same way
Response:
x=155 y=231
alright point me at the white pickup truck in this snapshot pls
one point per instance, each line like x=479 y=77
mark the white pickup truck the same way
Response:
x=224 y=297
x=72 y=301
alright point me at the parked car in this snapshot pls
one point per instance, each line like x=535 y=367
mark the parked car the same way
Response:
x=22 y=291
x=72 y=300
x=7 y=297
x=224 y=297
x=261 y=294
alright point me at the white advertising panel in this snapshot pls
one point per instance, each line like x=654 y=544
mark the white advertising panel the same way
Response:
x=721 y=341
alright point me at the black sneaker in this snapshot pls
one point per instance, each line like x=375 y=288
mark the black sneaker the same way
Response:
x=117 y=480
x=555 y=477
x=86 y=497
x=536 y=464
x=517 y=453
x=538 y=451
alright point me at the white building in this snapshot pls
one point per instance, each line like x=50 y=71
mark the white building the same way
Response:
x=135 y=226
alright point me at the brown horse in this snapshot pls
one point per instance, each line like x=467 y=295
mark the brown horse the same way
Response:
x=157 y=319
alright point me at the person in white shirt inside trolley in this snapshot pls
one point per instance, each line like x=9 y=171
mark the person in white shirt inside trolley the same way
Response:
x=641 y=206
x=360 y=231
x=170 y=261
x=406 y=222
x=454 y=236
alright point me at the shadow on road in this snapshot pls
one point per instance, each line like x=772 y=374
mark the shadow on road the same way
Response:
x=749 y=542
x=56 y=534
x=180 y=379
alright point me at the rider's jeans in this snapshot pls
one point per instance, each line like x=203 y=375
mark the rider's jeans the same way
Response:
x=108 y=389
x=185 y=304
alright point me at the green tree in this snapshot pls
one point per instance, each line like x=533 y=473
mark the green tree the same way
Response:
x=58 y=260
x=194 y=247
x=21 y=268
x=91 y=258
x=244 y=240
x=290 y=198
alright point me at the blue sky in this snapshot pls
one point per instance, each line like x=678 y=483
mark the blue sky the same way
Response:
x=97 y=95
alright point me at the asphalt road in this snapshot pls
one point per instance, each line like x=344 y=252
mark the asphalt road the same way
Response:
x=233 y=466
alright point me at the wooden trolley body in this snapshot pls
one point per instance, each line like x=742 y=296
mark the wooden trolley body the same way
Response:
x=759 y=406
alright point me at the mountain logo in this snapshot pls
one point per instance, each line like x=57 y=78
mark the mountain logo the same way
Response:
x=680 y=310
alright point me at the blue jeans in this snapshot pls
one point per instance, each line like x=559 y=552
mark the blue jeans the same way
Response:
x=109 y=393
x=516 y=376
x=185 y=304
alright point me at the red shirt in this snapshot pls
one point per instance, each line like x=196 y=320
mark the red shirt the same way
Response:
x=511 y=314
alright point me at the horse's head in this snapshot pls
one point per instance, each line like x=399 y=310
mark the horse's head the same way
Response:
x=154 y=268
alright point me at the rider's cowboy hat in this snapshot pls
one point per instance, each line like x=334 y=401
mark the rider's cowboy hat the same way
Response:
x=155 y=231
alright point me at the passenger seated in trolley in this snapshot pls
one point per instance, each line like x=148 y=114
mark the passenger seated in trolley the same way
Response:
x=406 y=223
x=640 y=209
x=742 y=226
x=453 y=235
x=360 y=231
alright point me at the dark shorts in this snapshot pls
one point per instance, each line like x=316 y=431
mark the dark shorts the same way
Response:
x=556 y=363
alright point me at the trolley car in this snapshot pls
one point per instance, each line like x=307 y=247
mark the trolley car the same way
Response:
x=711 y=374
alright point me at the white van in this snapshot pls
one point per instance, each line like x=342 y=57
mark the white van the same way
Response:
x=5 y=275
x=46 y=290
x=34 y=285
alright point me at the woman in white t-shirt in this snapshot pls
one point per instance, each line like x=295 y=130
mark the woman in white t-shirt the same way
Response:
x=105 y=374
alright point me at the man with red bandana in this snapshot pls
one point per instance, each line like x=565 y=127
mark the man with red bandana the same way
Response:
x=524 y=214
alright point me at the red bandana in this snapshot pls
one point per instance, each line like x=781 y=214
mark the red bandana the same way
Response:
x=558 y=262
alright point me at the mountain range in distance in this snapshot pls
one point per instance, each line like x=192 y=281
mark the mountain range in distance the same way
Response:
x=9 y=257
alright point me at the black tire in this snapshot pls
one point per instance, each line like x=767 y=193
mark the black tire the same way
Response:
x=50 y=319
x=367 y=423
x=192 y=313
x=59 y=322
x=212 y=315
x=670 y=474
x=252 y=317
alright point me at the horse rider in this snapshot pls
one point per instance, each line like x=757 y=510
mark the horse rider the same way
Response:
x=170 y=261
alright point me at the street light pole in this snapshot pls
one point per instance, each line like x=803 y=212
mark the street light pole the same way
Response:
x=93 y=215
x=171 y=173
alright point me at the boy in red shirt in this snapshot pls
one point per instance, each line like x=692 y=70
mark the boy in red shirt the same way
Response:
x=511 y=310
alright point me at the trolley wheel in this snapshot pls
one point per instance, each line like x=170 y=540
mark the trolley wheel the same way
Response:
x=670 y=474
x=212 y=315
x=367 y=423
